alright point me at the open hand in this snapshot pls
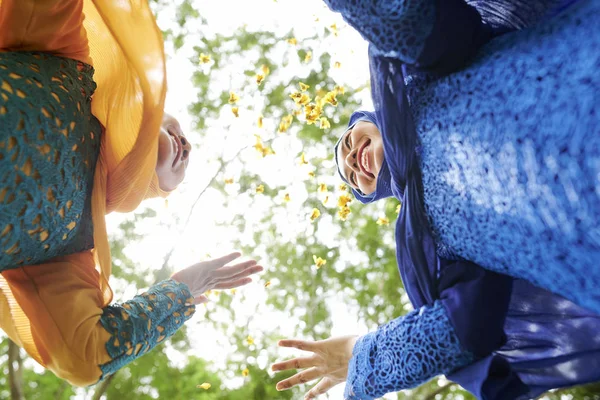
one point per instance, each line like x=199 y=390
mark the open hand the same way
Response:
x=329 y=360
x=213 y=274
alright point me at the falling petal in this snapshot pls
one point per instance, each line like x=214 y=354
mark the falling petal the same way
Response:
x=233 y=98
x=204 y=59
x=315 y=214
x=343 y=200
x=383 y=221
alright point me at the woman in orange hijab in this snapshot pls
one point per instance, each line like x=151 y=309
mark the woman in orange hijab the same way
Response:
x=82 y=134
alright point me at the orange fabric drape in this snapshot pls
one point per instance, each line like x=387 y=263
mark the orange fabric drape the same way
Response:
x=126 y=50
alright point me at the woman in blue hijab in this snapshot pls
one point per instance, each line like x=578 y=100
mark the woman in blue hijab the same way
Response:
x=496 y=166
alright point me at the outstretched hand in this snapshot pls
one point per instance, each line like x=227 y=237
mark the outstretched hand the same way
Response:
x=329 y=360
x=214 y=274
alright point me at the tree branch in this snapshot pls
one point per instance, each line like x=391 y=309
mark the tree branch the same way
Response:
x=15 y=374
x=212 y=180
x=102 y=387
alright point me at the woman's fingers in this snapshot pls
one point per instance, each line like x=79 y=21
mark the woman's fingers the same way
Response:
x=232 y=284
x=323 y=386
x=295 y=363
x=242 y=274
x=200 y=299
x=232 y=270
x=301 y=377
x=219 y=262
x=306 y=345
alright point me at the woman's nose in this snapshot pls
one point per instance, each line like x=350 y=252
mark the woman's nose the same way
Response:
x=187 y=147
x=351 y=160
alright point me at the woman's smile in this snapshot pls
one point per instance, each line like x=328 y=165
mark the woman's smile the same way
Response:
x=363 y=159
x=177 y=147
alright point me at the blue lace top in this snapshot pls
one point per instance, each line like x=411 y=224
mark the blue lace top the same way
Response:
x=404 y=353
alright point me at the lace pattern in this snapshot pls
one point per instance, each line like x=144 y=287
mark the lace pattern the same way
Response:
x=49 y=144
x=404 y=353
x=397 y=28
x=511 y=156
x=144 y=322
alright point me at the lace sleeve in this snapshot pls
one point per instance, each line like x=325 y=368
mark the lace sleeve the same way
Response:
x=397 y=28
x=440 y=35
x=404 y=353
x=144 y=322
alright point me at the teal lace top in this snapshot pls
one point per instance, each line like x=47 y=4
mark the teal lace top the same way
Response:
x=49 y=146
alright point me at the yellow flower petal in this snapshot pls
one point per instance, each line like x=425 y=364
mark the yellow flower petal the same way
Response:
x=312 y=174
x=204 y=59
x=315 y=214
x=344 y=212
x=319 y=262
x=322 y=187
x=339 y=90
x=233 y=291
x=333 y=28
x=259 y=79
x=330 y=98
x=292 y=41
x=303 y=86
x=267 y=284
x=325 y=200
x=285 y=123
x=342 y=187
x=245 y=372
x=259 y=123
x=303 y=159
x=286 y=197
x=260 y=189
x=233 y=98
x=343 y=200
x=308 y=56
x=398 y=208
x=265 y=69
x=235 y=111
x=250 y=340
x=325 y=123
x=383 y=221
x=228 y=181
x=204 y=386
x=337 y=64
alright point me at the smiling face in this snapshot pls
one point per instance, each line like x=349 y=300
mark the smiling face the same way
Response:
x=360 y=156
x=173 y=154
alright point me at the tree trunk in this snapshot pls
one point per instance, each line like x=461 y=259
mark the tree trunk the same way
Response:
x=102 y=387
x=15 y=371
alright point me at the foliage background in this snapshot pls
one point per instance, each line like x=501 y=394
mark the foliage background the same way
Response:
x=356 y=290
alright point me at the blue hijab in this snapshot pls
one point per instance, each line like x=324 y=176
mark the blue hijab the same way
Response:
x=527 y=340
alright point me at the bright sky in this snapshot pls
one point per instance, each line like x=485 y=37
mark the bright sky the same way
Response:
x=203 y=236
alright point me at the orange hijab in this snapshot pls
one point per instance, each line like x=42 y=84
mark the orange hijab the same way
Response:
x=126 y=48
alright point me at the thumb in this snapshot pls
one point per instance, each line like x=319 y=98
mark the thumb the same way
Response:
x=200 y=299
